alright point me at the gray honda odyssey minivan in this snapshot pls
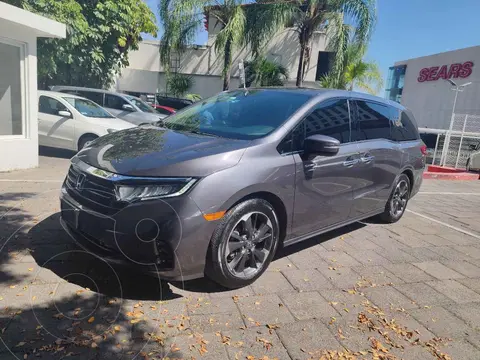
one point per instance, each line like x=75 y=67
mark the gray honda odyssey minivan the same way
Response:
x=218 y=187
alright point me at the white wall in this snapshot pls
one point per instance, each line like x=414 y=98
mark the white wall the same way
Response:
x=432 y=101
x=21 y=151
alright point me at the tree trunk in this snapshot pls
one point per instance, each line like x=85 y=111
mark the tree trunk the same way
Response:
x=227 y=65
x=300 y=65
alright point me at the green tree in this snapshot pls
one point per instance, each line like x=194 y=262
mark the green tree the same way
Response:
x=179 y=84
x=262 y=72
x=355 y=72
x=99 y=36
x=239 y=26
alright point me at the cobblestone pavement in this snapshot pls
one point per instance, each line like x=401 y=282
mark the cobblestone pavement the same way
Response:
x=409 y=290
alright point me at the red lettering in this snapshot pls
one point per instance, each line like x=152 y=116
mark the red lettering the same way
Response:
x=432 y=73
x=443 y=73
x=466 y=70
x=423 y=75
x=454 y=70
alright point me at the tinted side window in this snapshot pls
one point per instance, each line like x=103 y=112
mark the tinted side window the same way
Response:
x=114 y=102
x=373 y=121
x=403 y=128
x=96 y=97
x=48 y=105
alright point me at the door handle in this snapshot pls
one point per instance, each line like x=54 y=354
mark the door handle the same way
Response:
x=350 y=163
x=367 y=158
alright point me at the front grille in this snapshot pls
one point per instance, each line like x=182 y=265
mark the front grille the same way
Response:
x=91 y=191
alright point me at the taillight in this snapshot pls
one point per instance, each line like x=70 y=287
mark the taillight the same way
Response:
x=423 y=149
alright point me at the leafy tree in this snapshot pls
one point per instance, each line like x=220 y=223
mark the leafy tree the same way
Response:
x=355 y=72
x=179 y=84
x=262 y=72
x=99 y=36
x=239 y=26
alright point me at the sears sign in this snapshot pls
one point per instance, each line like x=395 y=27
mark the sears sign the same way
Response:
x=446 y=72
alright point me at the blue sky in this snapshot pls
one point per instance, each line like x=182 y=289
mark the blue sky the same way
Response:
x=413 y=28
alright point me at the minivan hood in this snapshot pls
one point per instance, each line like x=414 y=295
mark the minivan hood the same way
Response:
x=153 y=151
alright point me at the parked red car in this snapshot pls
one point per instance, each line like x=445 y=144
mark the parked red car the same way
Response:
x=164 y=110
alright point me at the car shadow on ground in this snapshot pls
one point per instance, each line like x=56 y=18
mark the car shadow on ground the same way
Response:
x=53 y=249
x=55 y=153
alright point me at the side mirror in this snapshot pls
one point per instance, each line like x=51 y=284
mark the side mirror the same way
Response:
x=127 y=107
x=321 y=145
x=65 y=113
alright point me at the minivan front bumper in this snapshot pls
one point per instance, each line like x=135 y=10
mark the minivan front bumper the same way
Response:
x=168 y=238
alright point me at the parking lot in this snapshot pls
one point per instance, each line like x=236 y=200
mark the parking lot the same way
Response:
x=369 y=291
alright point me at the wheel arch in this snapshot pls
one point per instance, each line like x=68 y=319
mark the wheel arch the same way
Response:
x=83 y=136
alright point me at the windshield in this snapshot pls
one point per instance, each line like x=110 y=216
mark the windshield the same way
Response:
x=142 y=105
x=88 y=108
x=238 y=114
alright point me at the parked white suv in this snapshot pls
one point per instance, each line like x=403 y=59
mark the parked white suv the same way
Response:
x=69 y=122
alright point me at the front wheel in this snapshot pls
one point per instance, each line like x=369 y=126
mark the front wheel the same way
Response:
x=243 y=244
x=397 y=203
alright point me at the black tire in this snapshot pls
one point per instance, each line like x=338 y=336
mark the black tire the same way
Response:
x=217 y=264
x=84 y=140
x=390 y=215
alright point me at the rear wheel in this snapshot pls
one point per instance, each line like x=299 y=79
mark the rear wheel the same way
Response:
x=397 y=203
x=243 y=244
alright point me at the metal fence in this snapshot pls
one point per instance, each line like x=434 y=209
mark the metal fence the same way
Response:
x=454 y=147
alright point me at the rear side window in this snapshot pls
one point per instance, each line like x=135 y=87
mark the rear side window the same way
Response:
x=373 y=121
x=403 y=128
x=96 y=97
x=114 y=102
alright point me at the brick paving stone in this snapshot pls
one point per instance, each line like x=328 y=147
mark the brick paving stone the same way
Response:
x=455 y=291
x=207 y=305
x=472 y=251
x=370 y=257
x=442 y=322
x=343 y=277
x=423 y=294
x=283 y=263
x=469 y=312
x=474 y=339
x=361 y=243
x=413 y=352
x=263 y=310
x=338 y=258
x=244 y=291
x=306 y=259
x=271 y=282
x=473 y=283
x=342 y=300
x=397 y=255
x=307 y=280
x=258 y=342
x=216 y=322
x=408 y=273
x=308 y=305
x=437 y=240
x=449 y=253
x=389 y=242
x=413 y=241
x=461 y=349
x=407 y=321
x=337 y=245
x=378 y=275
x=348 y=333
x=463 y=267
x=189 y=347
x=438 y=270
x=388 y=297
x=459 y=238
x=424 y=254
x=304 y=337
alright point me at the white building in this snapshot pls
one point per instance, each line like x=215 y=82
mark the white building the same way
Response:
x=19 y=30
x=420 y=84
x=146 y=74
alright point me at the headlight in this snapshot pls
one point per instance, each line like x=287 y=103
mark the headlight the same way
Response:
x=111 y=130
x=169 y=188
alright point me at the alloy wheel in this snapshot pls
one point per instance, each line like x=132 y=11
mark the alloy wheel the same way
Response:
x=249 y=245
x=399 y=199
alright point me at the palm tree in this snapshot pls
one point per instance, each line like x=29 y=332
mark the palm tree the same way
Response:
x=262 y=72
x=308 y=16
x=239 y=25
x=355 y=72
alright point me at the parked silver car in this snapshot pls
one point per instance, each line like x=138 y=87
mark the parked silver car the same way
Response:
x=126 y=107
